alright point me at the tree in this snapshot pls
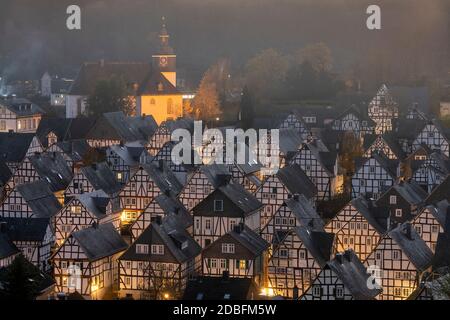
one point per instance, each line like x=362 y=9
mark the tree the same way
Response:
x=318 y=55
x=246 y=109
x=265 y=73
x=22 y=280
x=111 y=95
x=206 y=104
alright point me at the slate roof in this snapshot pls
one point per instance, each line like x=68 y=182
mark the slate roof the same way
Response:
x=117 y=126
x=5 y=173
x=296 y=181
x=94 y=204
x=217 y=174
x=64 y=129
x=305 y=214
x=249 y=239
x=318 y=242
x=39 y=198
x=353 y=275
x=219 y=288
x=163 y=177
x=100 y=241
x=126 y=154
x=389 y=165
x=14 y=146
x=102 y=178
x=377 y=217
x=441 y=258
x=326 y=158
x=76 y=150
x=7 y=247
x=412 y=245
x=363 y=116
x=150 y=85
x=441 y=210
x=21 y=107
x=92 y=72
x=408 y=128
x=408 y=96
x=411 y=192
x=172 y=207
x=53 y=168
x=441 y=192
x=243 y=199
x=176 y=239
x=290 y=141
x=26 y=229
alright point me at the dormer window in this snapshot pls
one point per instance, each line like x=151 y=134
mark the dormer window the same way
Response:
x=218 y=205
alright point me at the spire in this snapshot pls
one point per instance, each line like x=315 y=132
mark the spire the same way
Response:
x=164 y=37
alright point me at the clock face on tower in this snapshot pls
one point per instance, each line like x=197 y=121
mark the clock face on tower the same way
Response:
x=163 y=62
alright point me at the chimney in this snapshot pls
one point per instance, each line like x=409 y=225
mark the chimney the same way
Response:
x=339 y=258
x=406 y=230
x=296 y=196
x=156 y=219
x=176 y=210
x=95 y=225
x=238 y=228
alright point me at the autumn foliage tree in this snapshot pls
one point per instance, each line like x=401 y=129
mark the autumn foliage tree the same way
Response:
x=206 y=105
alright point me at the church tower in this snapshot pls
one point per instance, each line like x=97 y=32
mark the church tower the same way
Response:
x=165 y=59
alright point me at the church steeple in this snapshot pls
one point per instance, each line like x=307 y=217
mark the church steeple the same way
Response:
x=164 y=59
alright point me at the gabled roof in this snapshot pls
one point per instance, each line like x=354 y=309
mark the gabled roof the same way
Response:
x=117 y=126
x=175 y=238
x=7 y=247
x=377 y=217
x=411 y=192
x=390 y=139
x=5 y=173
x=440 y=211
x=305 y=214
x=164 y=178
x=99 y=241
x=92 y=72
x=243 y=199
x=155 y=83
x=172 y=207
x=217 y=174
x=93 y=203
x=249 y=239
x=441 y=258
x=21 y=107
x=26 y=229
x=353 y=109
x=383 y=98
x=39 y=198
x=76 y=150
x=101 y=177
x=353 y=275
x=53 y=168
x=126 y=154
x=389 y=165
x=289 y=141
x=14 y=146
x=441 y=192
x=296 y=181
x=64 y=129
x=318 y=242
x=326 y=158
x=412 y=245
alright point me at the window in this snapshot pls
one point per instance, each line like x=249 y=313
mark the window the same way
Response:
x=372 y=169
x=418 y=229
x=213 y=263
x=227 y=247
x=339 y=292
x=241 y=264
x=395 y=254
x=223 y=263
x=283 y=253
x=142 y=248
x=362 y=182
x=169 y=106
x=75 y=209
x=232 y=224
x=157 y=249
x=218 y=205
x=317 y=291
x=119 y=175
x=434 y=229
x=152 y=101
x=208 y=224
x=398 y=213
x=393 y=200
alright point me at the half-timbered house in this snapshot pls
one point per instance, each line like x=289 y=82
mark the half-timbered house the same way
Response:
x=159 y=262
x=14 y=147
x=384 y=143
x=87 y=262
x=239 y=252
x=374 y=176
x=298 y=256
x=148 y=182
x=33 y=237
x=355 y=121
x=320 y=165
x=276 y=189
x=404 y=200
x=202 y=182
x=434 y=136
x=161 y=206
x=163 y=133
x=82 y=210
x=124 y=160
x=31 y=200
x=383 y=110
x=429 y=168
x=295 y=121
x=8 y=250
x=359 y=226
x=343 y=278
x=400 y=258
x=430 y=222
x=226 y=207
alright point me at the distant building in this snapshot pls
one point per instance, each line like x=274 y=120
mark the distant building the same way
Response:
x=19 y=115
x=55 y=88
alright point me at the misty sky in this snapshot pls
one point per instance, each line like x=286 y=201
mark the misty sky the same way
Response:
x=33 y=36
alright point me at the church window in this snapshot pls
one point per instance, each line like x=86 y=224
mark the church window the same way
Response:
x=152 y=101
x=169 y=106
